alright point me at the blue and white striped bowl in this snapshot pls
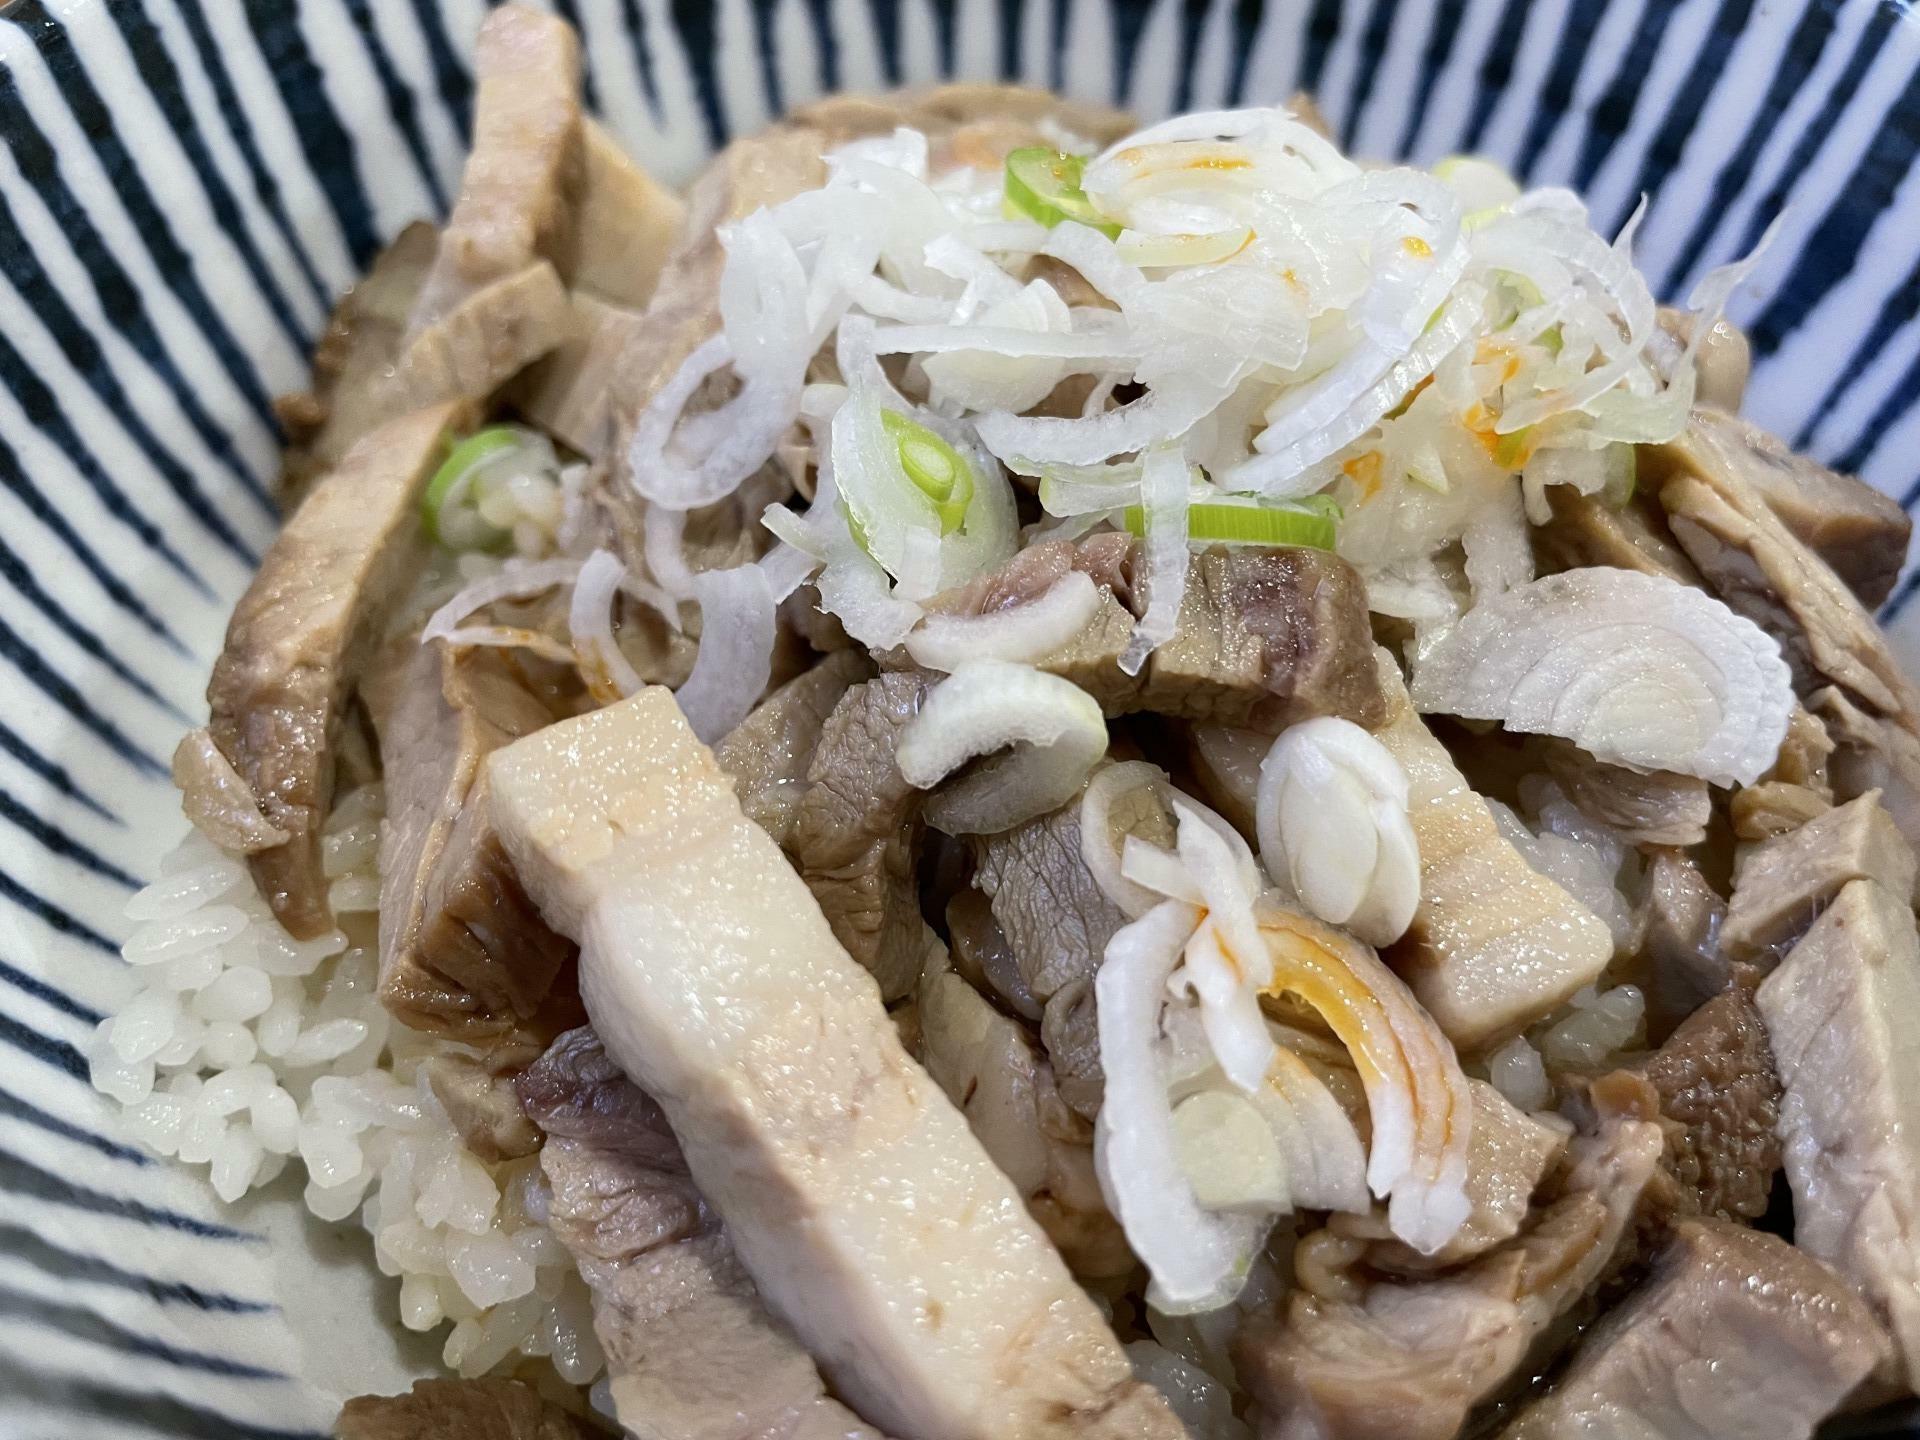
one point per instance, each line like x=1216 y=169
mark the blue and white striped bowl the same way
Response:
x=186 y=183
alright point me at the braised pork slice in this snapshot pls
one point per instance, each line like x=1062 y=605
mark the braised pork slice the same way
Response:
x=1839 y=1013
x=1765 y=572
x=1735 y=1335
x=1494 y=944
x=1781 y=885
x=1585 y=530
x=1410 y=1359
x=478 y=1409
x=1660 y=808
x=1857 y=530
x=352 y=388
x=692 y=1351
x=299 y=637
x=768 y=753
x=856 y=831
x=463 y=952
x=624 y=226
x=523 y=172
x=1720 y=1094
x=853 y=1192
x=495 y=299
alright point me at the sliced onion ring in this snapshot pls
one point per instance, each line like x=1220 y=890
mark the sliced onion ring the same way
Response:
x=1021 y=633
x=1055 y=728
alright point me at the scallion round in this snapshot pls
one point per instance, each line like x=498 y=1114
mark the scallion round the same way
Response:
x=937 y=470
x=447 y=507
x=1044 y=185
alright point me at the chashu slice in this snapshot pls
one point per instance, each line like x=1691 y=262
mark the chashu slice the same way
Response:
x=868 y=1215
x=463 y=952
x=299 y=638
x=494 y=300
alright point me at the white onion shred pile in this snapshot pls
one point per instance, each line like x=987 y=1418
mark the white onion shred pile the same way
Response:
x=1637 y=670
x=1284 y=322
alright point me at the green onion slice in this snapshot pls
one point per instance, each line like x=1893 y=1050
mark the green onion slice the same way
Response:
x=447 y=507
x=1044 y=185
x=1310 y=522
x=937 y=470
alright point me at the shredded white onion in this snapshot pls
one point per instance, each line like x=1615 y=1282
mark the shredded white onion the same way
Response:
x=609 y=675
x=1165 y=488
x=1096 y=834
x=735 y=658
x=1056 y=730
x=1198 y=1259
x=1022 y=632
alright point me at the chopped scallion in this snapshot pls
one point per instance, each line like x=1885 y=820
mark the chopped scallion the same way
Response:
x=936 y=469
x=447 y=507
x=1044 y=185
x=1309 y=522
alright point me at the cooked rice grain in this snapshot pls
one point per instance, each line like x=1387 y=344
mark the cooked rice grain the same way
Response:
x=243 y=1049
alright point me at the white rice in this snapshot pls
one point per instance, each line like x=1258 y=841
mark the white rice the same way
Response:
x=245 y=1050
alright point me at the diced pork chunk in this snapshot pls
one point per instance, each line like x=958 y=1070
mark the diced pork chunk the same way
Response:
x=1840 y=1015
x=1685 y=966
x=1857 y=530
x=463 y=952
x=217 y=800
x=866 y=1212
x=1736 y=1335
x=1718 y=1088
x=1265 y=637
x=352 y=388
x=1661 y=808
x=523 y=172
x=299 y=637
x=1494 y=944
x=1873 y=752
x=768 y=753
x=856 y=831
x=1722 y=364
x=482 y=1106
x=692 y=1351
x=1781 y=885
x=1409 y=1360
x=479 y=1409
